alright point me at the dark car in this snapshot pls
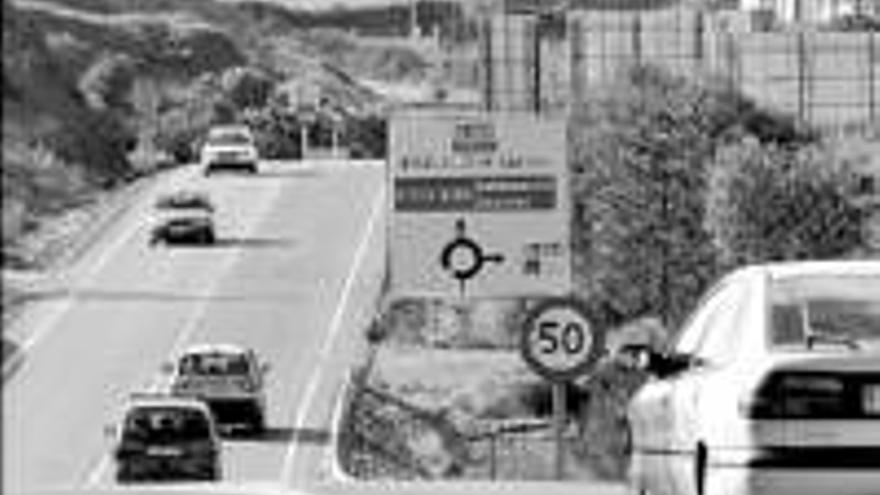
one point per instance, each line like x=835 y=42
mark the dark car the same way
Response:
x=167 y=438
x=184 y=230
x=185 y=218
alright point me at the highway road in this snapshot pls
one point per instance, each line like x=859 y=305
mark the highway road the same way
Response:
x=295 y=275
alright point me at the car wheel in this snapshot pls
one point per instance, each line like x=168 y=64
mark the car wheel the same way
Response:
x=215 y=473
x=124 y=476
x=258 y=424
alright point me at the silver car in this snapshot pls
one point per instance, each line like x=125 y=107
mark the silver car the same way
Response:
x=229 y=378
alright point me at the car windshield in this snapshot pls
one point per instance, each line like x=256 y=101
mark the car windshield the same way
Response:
x=213 y=364
x=229 y=139
x=165 y=425
x=841 y=308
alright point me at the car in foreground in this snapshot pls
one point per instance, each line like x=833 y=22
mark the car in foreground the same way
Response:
x=229 y=148
x=773 y=387
x=184 y=217
x=166 y=438
x=228 y=378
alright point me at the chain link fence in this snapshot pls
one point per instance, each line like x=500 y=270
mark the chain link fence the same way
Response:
x=384 y=437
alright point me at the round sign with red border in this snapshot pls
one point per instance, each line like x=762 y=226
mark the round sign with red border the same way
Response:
x=559 y=341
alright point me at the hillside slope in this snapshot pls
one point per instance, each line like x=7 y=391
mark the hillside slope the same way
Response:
x=88 y=82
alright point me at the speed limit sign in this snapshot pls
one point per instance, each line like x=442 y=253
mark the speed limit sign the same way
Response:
x=558 y=340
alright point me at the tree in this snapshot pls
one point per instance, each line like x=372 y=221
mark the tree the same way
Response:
x=641 y=152
x=246 y=87
x=767 y=203
x=107 y=82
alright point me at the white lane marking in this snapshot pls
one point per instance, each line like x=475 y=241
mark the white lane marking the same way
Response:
x=335 y=326
x=58 y=310
x=50 y=320
x=162 y=381
x=331 y=465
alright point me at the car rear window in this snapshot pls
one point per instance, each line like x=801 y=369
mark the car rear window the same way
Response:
x=844 y=307
x=214 y=364
x=166 y=424
x=183 y=202
x=229 y=138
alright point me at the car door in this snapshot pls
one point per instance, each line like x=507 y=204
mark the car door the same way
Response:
x=652 y=412
x=650 y=423
x=713 y=342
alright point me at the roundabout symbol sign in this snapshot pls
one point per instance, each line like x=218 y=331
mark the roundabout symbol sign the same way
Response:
x=558 y=340
x=463 y=258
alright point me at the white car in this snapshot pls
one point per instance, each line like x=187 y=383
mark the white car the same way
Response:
x=229 y=147
x=773 y=387
x=229 y=378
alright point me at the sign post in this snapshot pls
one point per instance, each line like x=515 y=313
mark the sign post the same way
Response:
x=559 y=342
x=479 y=205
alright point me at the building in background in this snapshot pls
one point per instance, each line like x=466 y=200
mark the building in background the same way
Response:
x=812 y=11
x=524 y=56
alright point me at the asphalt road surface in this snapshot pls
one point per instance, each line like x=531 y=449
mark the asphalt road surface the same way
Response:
x=295 y=274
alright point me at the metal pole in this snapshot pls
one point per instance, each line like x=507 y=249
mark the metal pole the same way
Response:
x=537 y=65
x=493 y=456
x=871 y=97
x=559 y=421
x=303 y=140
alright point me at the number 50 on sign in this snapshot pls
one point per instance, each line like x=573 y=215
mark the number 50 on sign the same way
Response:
x=558 y=340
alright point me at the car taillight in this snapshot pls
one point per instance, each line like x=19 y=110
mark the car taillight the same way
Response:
x=792 y=395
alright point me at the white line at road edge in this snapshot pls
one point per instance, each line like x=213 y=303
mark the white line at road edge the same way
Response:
x=62 y=307
x=189 y=327
x=335 y=325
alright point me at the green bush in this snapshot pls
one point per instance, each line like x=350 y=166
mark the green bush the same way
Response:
x=276 y=131
x=247 y=87
x=641 y=152
x=367 y=137
x=770 y=203
x=107 y=82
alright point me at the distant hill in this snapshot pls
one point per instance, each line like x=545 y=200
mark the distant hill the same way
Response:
x=78 y=76
x=449 y=18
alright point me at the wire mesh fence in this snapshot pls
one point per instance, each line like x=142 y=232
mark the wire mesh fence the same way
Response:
x=386 y=438
x=826 y=77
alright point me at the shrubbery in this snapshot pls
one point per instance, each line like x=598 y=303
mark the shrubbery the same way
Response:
x=276 y=132
x=770 y=203
x=678 y=183
x=647 y=173
x=367 y=136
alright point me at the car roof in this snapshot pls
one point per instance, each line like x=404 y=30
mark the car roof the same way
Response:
x=794 y=269
x=230 y=128
x=214 y=348
x=138 y=400
x=183 y=197
x=185 y=193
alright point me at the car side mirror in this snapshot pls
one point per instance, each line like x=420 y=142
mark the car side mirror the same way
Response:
x=663 y=365
x=264 y=368
x=635 y=357
x=167 y=368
